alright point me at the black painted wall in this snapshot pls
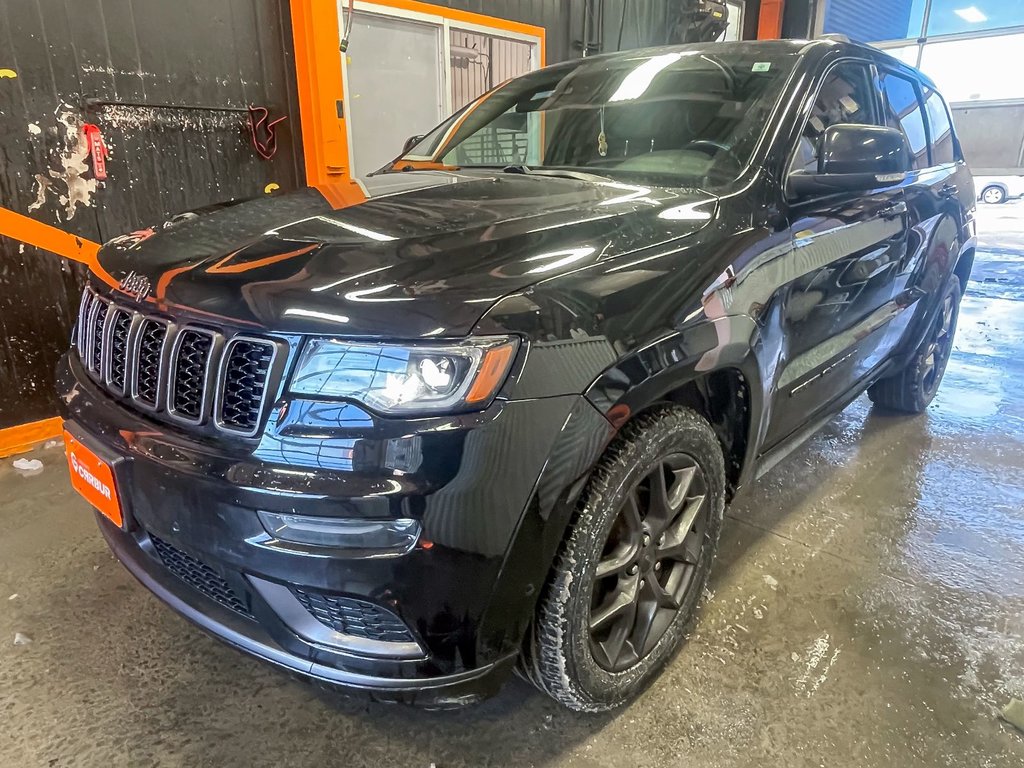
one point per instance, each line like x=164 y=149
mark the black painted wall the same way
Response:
x=221 y=55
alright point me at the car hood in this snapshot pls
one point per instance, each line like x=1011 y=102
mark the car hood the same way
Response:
x=401 y=255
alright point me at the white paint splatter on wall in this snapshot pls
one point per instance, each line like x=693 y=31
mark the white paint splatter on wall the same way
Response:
x=74 y=189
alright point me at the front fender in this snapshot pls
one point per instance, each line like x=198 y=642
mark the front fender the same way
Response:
x=653 y=373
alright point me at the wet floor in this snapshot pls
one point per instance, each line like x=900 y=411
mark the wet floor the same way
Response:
x=867 y=609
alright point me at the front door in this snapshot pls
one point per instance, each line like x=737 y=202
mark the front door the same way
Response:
x=847 y=250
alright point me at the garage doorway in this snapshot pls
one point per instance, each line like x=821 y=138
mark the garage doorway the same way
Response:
x=429 y=64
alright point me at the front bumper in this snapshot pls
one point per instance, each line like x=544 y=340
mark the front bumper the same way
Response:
x=491 y=504
x=134 y=552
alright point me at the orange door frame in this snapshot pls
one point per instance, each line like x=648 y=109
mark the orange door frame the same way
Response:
x=769 y=21
x=27 y=230
x=317 y=39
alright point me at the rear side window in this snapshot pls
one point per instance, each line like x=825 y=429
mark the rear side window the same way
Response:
x=845 y=97
x=902 y=111
x=943 y=150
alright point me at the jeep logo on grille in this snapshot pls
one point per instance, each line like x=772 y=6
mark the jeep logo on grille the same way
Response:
x=135 y=285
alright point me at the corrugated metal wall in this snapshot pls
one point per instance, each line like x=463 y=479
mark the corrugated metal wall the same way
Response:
x=648 y=22
x=870 y=20
x=488 y=61
x=224 y=54
x=556 y=16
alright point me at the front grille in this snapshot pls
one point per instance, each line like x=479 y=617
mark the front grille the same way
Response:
x=120 y=325
x=189 y=370
x=83 y=323
x=150 y=358
x=176 y=370
x=99 y=314
x=356 y=618
x=198 y=575
x=245 y=384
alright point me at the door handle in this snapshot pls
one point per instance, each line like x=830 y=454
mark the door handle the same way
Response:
x=893 y=211
x=948 y=191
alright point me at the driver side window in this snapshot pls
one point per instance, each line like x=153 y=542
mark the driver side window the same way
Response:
x=846 y=96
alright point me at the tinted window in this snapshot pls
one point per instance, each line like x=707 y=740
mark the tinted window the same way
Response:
x=691 y=117
x=845 y=97
x=941 y=130
x=902 y=111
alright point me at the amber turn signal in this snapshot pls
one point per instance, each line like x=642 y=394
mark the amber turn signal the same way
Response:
x=493 y=370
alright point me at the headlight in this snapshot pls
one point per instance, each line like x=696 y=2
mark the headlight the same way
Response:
x=402 y=379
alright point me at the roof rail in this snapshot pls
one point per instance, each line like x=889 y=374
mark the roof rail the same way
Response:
x=837 y=38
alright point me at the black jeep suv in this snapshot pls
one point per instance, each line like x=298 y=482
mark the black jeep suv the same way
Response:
x=485 y=407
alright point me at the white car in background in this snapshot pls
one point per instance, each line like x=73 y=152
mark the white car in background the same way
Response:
x=998 y=189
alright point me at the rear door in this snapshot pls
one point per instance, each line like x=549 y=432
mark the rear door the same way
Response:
x=848 y=248
x=938 y=192
x=941 y=191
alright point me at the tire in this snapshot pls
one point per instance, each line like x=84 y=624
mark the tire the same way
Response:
x=618 y=526
x=912 y=389
x=993 y=195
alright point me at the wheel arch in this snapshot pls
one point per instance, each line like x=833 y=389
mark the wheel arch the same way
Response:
x=964 y=266
x=720 y=379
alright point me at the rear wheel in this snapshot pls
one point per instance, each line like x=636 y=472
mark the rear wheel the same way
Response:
x=993 y=195
x=634 y=565
x=912 y=389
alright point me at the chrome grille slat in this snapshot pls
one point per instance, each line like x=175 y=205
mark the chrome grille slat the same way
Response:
x=149 y=363
x=244 y=384
x=117 y=335
x=82 y=332
x=186 y=373
x=97 y=319
x=191 y=360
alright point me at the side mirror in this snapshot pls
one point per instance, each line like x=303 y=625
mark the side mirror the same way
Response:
x=411 y=142
x=854 y=158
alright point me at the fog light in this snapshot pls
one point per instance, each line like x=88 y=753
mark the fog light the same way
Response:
x=385 y=537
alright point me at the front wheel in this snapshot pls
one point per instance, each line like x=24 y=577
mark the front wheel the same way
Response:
x=634 y=564
x=912 y=389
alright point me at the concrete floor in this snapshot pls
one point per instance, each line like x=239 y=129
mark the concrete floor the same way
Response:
x=867 y=609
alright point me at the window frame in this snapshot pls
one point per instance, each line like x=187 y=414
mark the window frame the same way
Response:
x=885 y=69
x=957 y=152
x=807 y=110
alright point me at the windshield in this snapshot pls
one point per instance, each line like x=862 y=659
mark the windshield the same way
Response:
x=683 y=117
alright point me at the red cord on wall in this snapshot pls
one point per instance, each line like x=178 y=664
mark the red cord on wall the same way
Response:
x=262 y=132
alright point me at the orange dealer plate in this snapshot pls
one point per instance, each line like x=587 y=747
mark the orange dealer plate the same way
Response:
x=93 y=478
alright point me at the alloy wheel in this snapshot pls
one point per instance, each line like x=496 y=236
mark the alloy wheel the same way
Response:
x=648 y=562
x=939 y=347
x=993 y=195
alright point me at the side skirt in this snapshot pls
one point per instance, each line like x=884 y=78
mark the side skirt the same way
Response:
x=769 y=459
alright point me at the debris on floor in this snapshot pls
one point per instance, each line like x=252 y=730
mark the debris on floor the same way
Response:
x=20 y=639
x=51 y=444
x=13 y=597
x=28 y=465
x=1013 y=713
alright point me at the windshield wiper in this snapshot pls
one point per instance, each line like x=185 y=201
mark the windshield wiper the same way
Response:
x=559 y=173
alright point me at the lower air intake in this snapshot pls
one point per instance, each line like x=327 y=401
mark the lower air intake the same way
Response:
x=357 y=618
x=198 y=575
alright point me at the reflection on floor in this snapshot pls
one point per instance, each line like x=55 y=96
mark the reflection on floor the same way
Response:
x=867 y=609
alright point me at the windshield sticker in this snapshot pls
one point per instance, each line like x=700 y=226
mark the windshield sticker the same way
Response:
x=761 y=66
